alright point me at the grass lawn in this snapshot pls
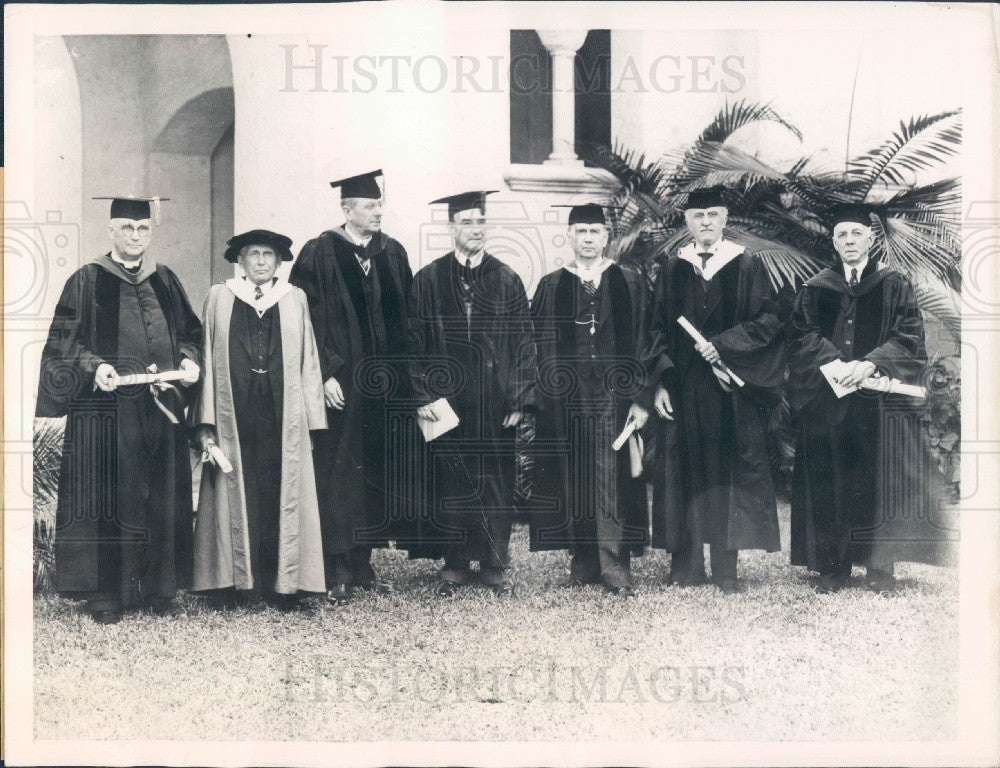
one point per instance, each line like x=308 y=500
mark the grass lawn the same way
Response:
x=553 y=663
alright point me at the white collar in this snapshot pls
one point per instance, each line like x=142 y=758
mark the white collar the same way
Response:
x=476 y=259
x=723 y=251
x=593 y=273
x=357 y=240
x=131 y=266
x=243 y=290
x=860 y=266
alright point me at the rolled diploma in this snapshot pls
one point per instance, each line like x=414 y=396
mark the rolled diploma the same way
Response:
x=626 y=432
x=220 y=458
x=893 y=387
x=148 y=378
x=699 y=339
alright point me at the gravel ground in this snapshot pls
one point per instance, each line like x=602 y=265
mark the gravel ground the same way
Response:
x=777 y=662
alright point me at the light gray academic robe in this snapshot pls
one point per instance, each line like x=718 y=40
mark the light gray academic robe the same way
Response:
x=221 y=545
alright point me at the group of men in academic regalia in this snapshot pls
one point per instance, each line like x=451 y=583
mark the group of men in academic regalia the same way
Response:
x=301 y=396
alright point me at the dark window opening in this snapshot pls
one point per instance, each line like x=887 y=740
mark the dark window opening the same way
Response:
x=531 y=95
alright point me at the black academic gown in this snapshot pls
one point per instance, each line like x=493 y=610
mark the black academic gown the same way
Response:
x=484 y=364
x=585 y=496
x=363 y=503
x=713 y=478
x=865 y=488
x=124 y=522
x=255 y=367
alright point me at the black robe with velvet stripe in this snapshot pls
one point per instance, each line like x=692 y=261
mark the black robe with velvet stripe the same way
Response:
x=865 y=487
x=752 y=345
x=486 y=369
x=103 y=536
x=362 y=502
x=620 y=338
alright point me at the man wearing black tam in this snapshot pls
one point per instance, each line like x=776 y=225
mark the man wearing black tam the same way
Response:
x=124 y=516
x=714 y=483
x=470 y=341
x=590 y=330
x=356 y=279
x=258 y=529
x=865 y=490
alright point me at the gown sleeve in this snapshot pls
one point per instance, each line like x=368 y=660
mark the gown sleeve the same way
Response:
x=659 y=365
x=902 y=355
x=418 y=331
x=808 y=349
x=68 y=364
x=306 y=274
x=753 y=349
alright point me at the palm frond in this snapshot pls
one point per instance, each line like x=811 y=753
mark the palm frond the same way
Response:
x=740 y=114
x=941 y=301
x=920 y=144
x=917 y=248
x=786 y=265
x=944 y=197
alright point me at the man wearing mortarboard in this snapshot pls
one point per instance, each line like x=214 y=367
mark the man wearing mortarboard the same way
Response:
x=124 y=515
x=356 y=279
x=865 y=490
x=714 y=485
x=470 y=341
x=590 y=330
x=258 y=529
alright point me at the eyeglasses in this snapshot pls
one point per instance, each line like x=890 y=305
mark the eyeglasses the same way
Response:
x=128 y=230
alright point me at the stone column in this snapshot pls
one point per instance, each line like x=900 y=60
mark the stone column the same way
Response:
x=563 y=45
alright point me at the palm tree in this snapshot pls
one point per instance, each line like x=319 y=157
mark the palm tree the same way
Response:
x=781 y=215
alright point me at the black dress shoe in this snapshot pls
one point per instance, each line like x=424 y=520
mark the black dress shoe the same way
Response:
x=881 y=582
x=341 y=594
x=288 y=603
x=504 y=588
x=625 y=591
x=829 y=583
x=497 y=579
x=164 y=607
x=446 y=589
x=729 y=586
x=377 y=586
x=106 y=616
x=687 y=579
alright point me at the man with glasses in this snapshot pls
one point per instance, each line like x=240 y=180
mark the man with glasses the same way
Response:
x=124 y=516
x=356 y=279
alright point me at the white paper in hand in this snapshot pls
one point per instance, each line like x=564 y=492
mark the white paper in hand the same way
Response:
x=447 y=420
x=836 y=368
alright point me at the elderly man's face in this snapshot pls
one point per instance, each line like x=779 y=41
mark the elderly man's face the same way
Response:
x=469 y=230
x=260 y=262
x=129 y=237
x=852 y=241
x=706 y=224
x=363 y=214
x=588 y=240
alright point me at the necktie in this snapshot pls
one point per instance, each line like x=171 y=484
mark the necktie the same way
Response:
x=854 y=276
x=365 y=264
x=467 y=272
x=257 y=292
x=705 y=256
x=133 y=270
x=590 y=287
